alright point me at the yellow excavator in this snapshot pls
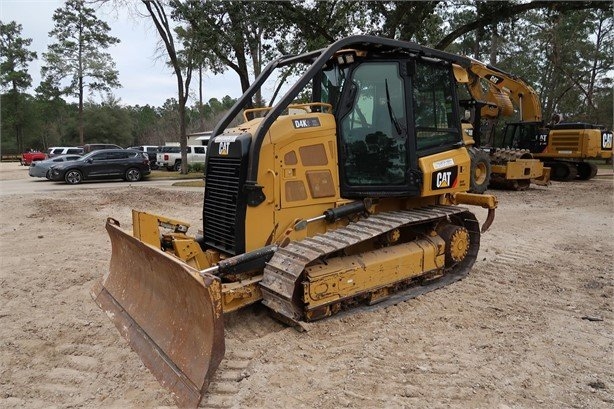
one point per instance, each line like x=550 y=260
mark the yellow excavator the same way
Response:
x=564 y=148
x=353 y=196
x=491 y=94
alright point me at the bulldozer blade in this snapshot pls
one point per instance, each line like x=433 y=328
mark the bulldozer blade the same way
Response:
x=170 y=314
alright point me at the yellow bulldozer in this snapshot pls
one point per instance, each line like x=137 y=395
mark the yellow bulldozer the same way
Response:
x=310 y=207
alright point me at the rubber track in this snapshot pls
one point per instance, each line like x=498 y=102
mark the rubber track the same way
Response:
x=283 y=272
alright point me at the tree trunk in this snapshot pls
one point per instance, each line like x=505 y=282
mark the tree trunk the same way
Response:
x=81 y=137
x=201 y=107
x=18 y=119
x=494 y=45
x=183 y=138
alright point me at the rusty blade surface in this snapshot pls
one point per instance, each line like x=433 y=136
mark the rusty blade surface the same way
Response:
x=170 y=315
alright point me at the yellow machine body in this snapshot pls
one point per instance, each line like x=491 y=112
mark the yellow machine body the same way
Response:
x=295 y=240
x=578 y=144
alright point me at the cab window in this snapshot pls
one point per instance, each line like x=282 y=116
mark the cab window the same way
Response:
x=332 y=84
x=435 y=124
x=373 y=131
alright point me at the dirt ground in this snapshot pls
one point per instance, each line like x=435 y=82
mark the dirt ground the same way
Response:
x=531 y=327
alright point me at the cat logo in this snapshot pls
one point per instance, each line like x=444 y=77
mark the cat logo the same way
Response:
x=606 y=141
x=224 y=148
x=494 y=79
x=445 y=179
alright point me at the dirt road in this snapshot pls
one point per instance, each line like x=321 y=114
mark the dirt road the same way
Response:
x=531 y=327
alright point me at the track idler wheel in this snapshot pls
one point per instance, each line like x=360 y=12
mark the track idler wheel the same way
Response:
x=586 y=170
x=457 y=243
x=563 y=171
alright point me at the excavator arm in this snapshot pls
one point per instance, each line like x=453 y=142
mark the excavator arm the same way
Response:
x=504 y=90
x=495 y=93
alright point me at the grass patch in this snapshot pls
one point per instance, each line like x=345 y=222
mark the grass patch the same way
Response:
x=190 y=183
x=165 y=174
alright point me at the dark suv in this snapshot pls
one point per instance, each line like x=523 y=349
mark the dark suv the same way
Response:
x=126 y=164
x=151 y=150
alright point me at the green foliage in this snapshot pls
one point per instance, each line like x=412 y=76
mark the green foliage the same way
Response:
x=78 y=54
x=145 y=125
x=14 y=60
x=77 y=62
x=108 y=123
x=408 y=20
x=23 y=122
x=563 y=49
x=196 y=168
x=564 y=52
x=14 y=57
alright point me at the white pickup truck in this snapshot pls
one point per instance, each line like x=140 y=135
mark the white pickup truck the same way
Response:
x=169 y=157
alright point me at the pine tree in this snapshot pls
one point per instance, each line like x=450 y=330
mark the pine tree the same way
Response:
x=77 y=60
x=14 y=59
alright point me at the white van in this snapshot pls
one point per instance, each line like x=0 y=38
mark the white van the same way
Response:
x=64 y=150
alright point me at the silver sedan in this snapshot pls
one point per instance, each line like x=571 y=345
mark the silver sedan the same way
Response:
x=39 y=169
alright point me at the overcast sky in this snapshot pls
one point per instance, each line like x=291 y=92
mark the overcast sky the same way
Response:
x=142 y=72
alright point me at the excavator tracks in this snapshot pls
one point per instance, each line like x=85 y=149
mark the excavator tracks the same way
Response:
x=282 y=274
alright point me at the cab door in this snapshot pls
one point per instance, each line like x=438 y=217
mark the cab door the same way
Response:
x=374 y=133
x=393 y=112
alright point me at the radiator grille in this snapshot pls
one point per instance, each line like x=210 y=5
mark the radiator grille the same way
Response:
x=223 y=202
x=566 y=142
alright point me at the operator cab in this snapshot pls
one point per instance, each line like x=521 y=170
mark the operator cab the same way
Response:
x=390 y=110
x=526 y=135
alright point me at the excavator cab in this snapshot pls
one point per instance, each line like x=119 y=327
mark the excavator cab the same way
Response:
x=532 y=136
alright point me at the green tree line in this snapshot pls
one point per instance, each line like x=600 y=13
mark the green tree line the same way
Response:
x=563 y=49
x=55 y=123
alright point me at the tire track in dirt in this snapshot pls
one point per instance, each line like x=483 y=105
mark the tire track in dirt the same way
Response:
x=244 y=332
x=225 y=385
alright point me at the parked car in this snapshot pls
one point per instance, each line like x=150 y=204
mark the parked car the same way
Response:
x=64 y=150
x=126 y=164
x=32 y=156
x=40 y=169
x=169 y=157
x=91 y=147
x=152 y=151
